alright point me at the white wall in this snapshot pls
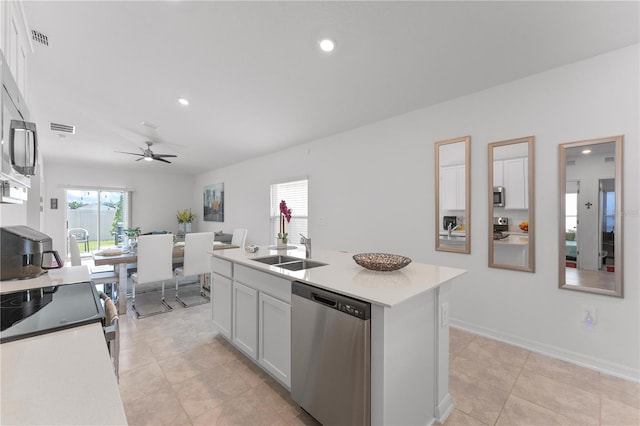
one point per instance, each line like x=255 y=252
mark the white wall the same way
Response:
x=157 y=197
x=372 y=189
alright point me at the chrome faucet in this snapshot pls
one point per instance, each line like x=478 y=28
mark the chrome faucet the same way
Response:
x=307 y=245
x=450 y=229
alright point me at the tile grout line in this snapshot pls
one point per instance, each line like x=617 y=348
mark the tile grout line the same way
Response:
x=512 y=386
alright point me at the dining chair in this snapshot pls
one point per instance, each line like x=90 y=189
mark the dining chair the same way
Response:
x=81 y=235
x=155 y=263
x=239 y=237
x=74 y=251
x=111 y=327
x=197 y=261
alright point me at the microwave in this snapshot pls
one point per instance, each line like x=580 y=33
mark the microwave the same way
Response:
x=498 y=196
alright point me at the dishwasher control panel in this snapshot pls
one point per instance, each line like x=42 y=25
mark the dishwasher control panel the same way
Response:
x=348 y=305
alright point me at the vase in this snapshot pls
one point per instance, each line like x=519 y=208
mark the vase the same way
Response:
x=281 y=243
x=184 y=228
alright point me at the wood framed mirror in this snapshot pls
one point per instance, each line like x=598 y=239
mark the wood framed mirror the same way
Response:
x=511 y=205
x=453 y=195
x=590 y=217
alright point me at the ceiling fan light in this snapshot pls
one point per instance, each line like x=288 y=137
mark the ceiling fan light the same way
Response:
x=148 y=159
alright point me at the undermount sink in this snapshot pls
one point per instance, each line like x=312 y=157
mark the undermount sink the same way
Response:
x=453 y=238
x=289 y=262
x=272 y=260
x=299 y=265
x=453 y=241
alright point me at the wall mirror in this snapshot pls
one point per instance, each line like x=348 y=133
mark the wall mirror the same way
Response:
x=511 y=205
x=453 y=195
x=590 y=243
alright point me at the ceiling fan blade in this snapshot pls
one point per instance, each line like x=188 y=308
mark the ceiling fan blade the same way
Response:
x=131 y=153
x=161 y=159
x=164 y=155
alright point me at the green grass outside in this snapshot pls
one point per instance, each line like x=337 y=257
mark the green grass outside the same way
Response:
x=93 y=245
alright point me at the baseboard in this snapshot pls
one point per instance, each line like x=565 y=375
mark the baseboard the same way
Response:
x=444 y=409
x=582 y=360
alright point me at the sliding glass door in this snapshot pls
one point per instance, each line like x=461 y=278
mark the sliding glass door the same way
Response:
x=97 y=218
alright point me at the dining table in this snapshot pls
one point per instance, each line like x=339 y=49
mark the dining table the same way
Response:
x=121 y=258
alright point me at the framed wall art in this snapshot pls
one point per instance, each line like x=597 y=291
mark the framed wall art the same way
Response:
x=213 y=202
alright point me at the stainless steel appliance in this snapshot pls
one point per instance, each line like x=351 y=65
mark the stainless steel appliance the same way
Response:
x=498 y=196
x=500 y=226
x=449 y=220
x=36 y=311
x=19 y=141
x=331 y=355
x=26 y=253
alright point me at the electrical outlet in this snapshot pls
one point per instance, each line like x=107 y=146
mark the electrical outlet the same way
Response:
x=444 y=315
x=590 y=316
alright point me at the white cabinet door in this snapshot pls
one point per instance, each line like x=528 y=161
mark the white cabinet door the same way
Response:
x=16 y=44
x=275 y=338
x=516 y=191
x=498 y=179
x=221 y=301
x=245 y=319
x=452 y=187
x=461 y=188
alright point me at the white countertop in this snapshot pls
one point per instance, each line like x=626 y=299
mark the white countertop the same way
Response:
x=513 y=240
x=343 y=275
x=62 y=378
x=64 y=275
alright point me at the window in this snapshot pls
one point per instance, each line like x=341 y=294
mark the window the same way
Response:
x=571 y=207
x=295 y=194
x=99 y=215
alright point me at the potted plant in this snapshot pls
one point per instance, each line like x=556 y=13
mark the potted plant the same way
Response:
x=185 y=218
x=133 y=234
x=285 y=214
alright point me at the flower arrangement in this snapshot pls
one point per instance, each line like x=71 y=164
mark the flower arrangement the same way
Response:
x=285 y=213
x=132 y=232
x=186 y=216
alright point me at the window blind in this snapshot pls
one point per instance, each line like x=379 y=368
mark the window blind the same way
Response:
x=295 y=194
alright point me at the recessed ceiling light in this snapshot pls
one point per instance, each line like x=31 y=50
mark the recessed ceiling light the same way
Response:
x=586 y=151
x=327 y=45
x=183 y=101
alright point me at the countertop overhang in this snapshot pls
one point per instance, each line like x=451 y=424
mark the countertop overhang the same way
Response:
x=342 y=275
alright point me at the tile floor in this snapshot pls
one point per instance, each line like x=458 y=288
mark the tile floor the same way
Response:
x=175 y=370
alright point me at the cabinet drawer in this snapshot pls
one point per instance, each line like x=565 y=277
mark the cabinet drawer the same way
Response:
x=277 y=287
x=222 y=267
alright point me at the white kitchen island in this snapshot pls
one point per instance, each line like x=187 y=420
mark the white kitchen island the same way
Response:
x=409 y=324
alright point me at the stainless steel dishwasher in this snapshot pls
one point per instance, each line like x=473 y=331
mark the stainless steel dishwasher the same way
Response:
x=331 y=355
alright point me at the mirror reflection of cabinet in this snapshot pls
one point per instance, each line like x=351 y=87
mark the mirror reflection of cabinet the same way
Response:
x=453 y=196
x=511 y=206
x=590 y=243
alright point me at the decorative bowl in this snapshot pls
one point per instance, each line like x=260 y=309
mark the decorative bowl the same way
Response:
x=381 y=261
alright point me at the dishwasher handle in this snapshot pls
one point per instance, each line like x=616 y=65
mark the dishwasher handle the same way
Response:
x=324 y=300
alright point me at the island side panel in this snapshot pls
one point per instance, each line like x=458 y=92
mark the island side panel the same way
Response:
x=444 y=405
x=403 y=360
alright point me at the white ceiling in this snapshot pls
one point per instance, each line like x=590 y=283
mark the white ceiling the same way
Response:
x=257 y=82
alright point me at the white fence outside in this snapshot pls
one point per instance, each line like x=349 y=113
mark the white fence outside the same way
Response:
x=87 y=217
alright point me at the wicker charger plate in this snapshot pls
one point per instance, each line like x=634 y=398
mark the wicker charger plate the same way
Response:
x=381 y=261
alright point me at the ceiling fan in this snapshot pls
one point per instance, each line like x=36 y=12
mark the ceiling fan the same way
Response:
x=148 y=155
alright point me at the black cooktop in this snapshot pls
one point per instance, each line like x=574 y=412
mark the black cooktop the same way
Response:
x=32 y=312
